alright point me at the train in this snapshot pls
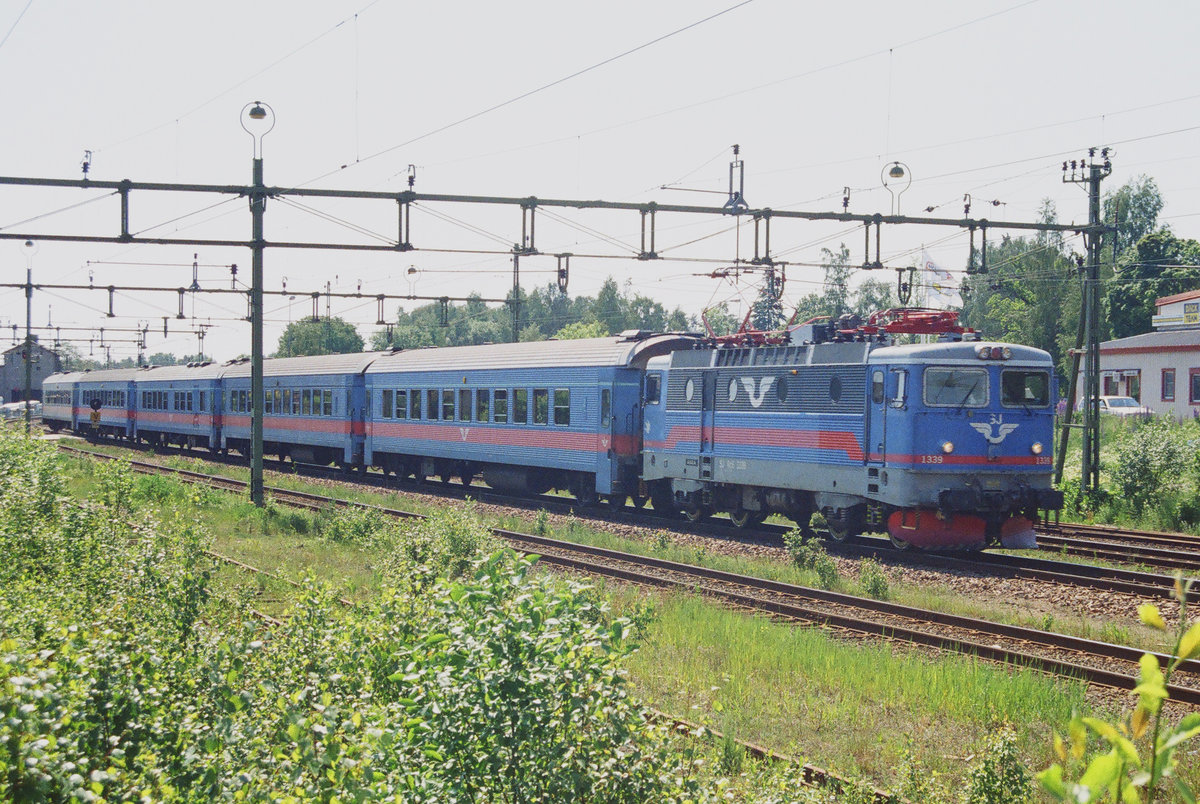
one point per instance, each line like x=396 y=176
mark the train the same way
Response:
x=943 y=443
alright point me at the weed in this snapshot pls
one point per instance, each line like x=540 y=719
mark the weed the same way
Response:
x=662 y=540
x=733 y=756
x=999 y=776
x=541 y=523
x=874 y=582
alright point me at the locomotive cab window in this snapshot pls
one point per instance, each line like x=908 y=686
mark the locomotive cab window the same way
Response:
x=956 y=387
x=653 y=388
x=1028 y=389
x=877 y=387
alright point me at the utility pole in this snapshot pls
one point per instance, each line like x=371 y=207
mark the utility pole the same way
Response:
x=257 y=119
x=30 y=248
x=1091 y=172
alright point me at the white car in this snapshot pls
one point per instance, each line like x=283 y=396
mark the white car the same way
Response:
x=1123 y=406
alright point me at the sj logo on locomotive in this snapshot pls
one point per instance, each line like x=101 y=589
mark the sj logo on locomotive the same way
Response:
x=764 y=385
x=1002 y=429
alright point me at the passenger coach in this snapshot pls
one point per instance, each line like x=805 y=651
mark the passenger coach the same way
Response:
x=529 y=417
x=313 y=407
x=179 y=405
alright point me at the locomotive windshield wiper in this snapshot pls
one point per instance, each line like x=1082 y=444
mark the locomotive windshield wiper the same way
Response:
x=965 y=398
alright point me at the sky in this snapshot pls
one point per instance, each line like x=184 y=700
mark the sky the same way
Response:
x=617 y=101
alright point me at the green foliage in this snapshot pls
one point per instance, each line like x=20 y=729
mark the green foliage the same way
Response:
x=872 y=580
x=328 y=336
x=541 y=523
x=545 y=313
x=999 y=776
x=116 y=484
x=1157 y=264
x=122 y=677
x=733 y=756
x=808 y=553
x=582 y=329
x=1139 y=757
x=1149 y=462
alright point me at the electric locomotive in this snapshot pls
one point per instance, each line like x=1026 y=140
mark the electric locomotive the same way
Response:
x=940 y=445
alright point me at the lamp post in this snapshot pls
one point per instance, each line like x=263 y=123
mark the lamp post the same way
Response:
x=896 y=178
x=30 y=248
x=257 y=119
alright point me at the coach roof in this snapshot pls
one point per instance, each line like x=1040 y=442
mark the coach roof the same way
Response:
x=315 y=366
x=622 y=350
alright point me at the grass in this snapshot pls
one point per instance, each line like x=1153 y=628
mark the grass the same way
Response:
x=794 y=689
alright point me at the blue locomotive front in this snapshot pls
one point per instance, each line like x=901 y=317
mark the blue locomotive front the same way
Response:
x=941 y=445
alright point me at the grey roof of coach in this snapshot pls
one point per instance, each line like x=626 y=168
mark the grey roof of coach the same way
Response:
x=613 y=351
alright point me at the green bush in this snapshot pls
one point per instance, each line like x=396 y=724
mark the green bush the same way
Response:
x=999 y=776
x=808 y=553
x=123 y=678
x=870 y=576
x=1152 y=459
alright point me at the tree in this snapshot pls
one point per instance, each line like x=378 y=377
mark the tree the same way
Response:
x=1133 y=208
x=1160 y=264
x=609 y=309
x=580 y=329
x=324 y=337
x=872 y=296
x=766 y=314
x=835 y=295
x=162 y=359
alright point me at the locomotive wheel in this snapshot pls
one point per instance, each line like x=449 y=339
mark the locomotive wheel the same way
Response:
x=660 y=498
x=638 y=500
x=697 y=513
x=617 y=501
x=839 y=530
x=898 y=543
x=742 y=518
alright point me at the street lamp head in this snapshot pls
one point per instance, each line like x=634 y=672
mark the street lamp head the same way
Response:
x=257 y=119
x=896 y=178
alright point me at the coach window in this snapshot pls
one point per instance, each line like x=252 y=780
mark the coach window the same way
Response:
x=653 y=388
x=328 y=394
x=287 y=401
x=956 y=387
x=306 y=401
x=541 y=406
x=483 y=404
x=432 y=404
x=201 y=407
x=877 y=387
x=414 y=402
x=605 y=407
x=500 y=408
x=447 y=405
x=1024 y=389
x=268 y=402
x=1168 y=385
x=520 y=411
x=279 y=408
x=464 y=405
x=386 y=405
x=562 y=406
x=401 y=404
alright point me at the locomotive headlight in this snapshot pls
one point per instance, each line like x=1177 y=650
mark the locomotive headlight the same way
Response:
x=1006 y=353
x=983 y=353
x=1036 y=448
x=947 y=447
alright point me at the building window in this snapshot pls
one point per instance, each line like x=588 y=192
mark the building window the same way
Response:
x=1168 y=385
x=1194 y=386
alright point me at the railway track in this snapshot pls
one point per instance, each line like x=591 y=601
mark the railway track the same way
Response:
x=1056 y=654
x=1136 y=582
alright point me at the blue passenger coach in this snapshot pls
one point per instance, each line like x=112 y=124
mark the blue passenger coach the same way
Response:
x=113 y=390
x=527 y=416
x=313 y=407
x=179 y=405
